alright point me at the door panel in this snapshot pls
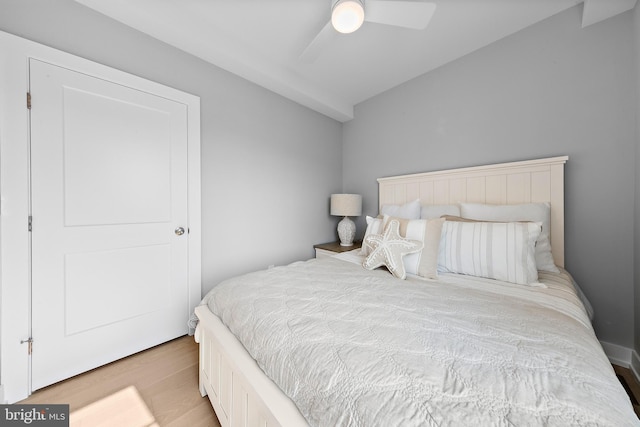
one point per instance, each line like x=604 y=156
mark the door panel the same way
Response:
x=109 y=186
x=91 y=277
x=116 y=170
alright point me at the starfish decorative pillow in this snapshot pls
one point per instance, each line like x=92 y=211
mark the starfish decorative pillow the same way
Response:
x=388 y=249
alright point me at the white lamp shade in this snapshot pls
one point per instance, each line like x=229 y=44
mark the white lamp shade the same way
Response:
x=346 y=204
x=347 y=16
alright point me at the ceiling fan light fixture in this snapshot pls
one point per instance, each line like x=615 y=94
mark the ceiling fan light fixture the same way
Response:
x=347 y=15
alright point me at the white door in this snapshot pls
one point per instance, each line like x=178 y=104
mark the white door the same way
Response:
x=108 y=191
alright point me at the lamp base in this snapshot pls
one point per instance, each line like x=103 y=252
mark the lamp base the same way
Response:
x=346 y=231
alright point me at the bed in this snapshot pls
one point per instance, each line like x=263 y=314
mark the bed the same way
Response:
x=452 y=343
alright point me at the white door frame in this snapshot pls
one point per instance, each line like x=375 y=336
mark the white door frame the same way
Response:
x=15 y=306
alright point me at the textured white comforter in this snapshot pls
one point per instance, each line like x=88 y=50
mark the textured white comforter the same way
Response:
x=353 y=347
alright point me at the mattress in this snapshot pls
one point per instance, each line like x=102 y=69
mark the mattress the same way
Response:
x=353 y=347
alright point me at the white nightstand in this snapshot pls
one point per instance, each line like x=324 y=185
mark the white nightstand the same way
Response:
x=332 y=248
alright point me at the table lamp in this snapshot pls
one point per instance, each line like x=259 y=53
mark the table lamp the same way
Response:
x=346 y=205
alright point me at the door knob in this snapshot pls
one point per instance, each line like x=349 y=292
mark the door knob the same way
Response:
x=179 y=231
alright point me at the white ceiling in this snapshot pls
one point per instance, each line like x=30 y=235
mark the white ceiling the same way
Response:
x=261 y=40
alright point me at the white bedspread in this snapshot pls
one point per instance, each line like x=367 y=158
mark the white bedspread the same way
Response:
x=353 y=347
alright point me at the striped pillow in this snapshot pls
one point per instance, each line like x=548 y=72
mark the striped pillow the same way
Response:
x=428 y=231
x=496 y=250
x=535 y=212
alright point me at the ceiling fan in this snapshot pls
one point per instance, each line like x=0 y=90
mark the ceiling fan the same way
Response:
x=348 y=15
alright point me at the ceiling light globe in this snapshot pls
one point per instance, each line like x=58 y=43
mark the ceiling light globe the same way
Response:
x=347 y=16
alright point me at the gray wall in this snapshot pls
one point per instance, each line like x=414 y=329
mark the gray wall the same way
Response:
x=268 y=164
x=551 y=89
x=636 y=27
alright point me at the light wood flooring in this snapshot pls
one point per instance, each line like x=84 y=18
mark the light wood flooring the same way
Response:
x=157 y=387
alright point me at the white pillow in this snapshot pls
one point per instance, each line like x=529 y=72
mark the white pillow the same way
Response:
x=410 y=210
x=427 y=231
x=374 y=226
x=535 y=212
x=436 y=211
x=496 y=250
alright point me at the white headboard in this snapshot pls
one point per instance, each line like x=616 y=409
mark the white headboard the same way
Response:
x=530 y=181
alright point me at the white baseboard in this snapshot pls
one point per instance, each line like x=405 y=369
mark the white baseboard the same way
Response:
x=618 y=354
x=635 y=365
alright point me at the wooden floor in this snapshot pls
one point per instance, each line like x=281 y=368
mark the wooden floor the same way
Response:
x=157 y=387
x=630 y=384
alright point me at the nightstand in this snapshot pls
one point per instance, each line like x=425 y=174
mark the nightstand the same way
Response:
x=333 y=248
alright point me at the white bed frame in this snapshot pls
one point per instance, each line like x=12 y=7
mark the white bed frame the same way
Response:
x=242 y=395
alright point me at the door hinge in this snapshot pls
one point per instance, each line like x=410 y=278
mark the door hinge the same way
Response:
x=30 y=223
x=29 y=100
x=30 y=342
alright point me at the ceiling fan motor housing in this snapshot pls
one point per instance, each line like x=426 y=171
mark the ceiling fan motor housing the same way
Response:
x=347 y=15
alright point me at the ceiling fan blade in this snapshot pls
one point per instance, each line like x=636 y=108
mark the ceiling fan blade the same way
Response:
x=413 y=14
x=318 y=44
